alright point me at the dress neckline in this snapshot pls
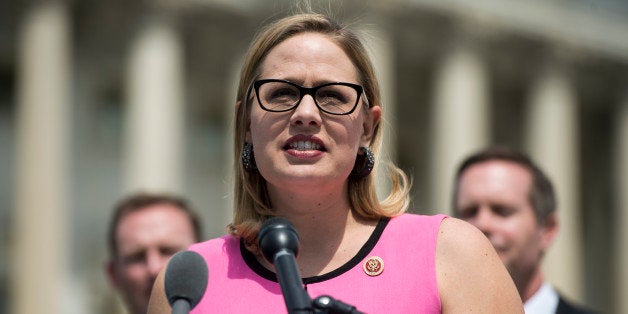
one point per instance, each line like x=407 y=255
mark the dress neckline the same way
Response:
x=368 y=246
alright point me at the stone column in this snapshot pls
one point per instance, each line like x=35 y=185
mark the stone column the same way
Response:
x=379 y=45
x=224 y=217
x=461 y=118
x=552 y=140
x=621 y=192
x=40 y=272
x=154 y=117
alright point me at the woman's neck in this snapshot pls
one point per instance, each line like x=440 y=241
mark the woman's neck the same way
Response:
x=330 y=234
x=306 y=208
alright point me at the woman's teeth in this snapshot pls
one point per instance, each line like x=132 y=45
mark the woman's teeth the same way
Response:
x=305 y=145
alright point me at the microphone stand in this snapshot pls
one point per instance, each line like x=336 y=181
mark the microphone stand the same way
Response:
x=296 y=298
x=181 y=306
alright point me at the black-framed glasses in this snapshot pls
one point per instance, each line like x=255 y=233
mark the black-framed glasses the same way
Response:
x=337 y=98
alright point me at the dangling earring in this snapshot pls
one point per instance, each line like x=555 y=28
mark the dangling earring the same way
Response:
x=363 y=163
x=248 y=158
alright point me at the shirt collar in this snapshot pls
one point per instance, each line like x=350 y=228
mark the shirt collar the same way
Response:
x=544 y=301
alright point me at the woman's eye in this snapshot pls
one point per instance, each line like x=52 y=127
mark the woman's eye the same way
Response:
x=283 y=92
x=330 y=95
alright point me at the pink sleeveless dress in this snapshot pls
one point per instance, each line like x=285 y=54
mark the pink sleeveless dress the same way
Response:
x=394 y=272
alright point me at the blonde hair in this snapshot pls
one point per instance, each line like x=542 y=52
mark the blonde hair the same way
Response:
x=252 y=204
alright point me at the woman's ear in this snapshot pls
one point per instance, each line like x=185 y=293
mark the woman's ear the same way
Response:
x=370 y=124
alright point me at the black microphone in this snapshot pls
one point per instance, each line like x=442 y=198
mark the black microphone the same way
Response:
x=280 y=245
x=332 y=306
x=185 y=281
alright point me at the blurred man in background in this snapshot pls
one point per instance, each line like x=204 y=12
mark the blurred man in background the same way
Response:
x=146 y=230
x=508 y=197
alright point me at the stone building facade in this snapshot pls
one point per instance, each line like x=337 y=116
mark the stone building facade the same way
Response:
x=100 y=98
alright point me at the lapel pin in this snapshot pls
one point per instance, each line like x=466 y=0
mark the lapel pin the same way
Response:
x=373 y=266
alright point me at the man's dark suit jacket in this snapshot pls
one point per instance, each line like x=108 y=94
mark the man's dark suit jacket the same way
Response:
x=566 y=307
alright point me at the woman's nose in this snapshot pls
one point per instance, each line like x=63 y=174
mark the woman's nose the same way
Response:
x=306 y=113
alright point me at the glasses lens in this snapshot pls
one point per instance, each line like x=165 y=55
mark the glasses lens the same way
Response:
x=278 y=96
x=336 y=98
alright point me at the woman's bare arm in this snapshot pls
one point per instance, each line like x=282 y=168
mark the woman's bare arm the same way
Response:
x=471 y=277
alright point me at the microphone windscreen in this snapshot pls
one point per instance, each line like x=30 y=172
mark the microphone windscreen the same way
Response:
x=186 y=278
x=278 y=234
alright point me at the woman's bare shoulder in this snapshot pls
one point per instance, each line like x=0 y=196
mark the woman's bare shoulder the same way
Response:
x=471 y=277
